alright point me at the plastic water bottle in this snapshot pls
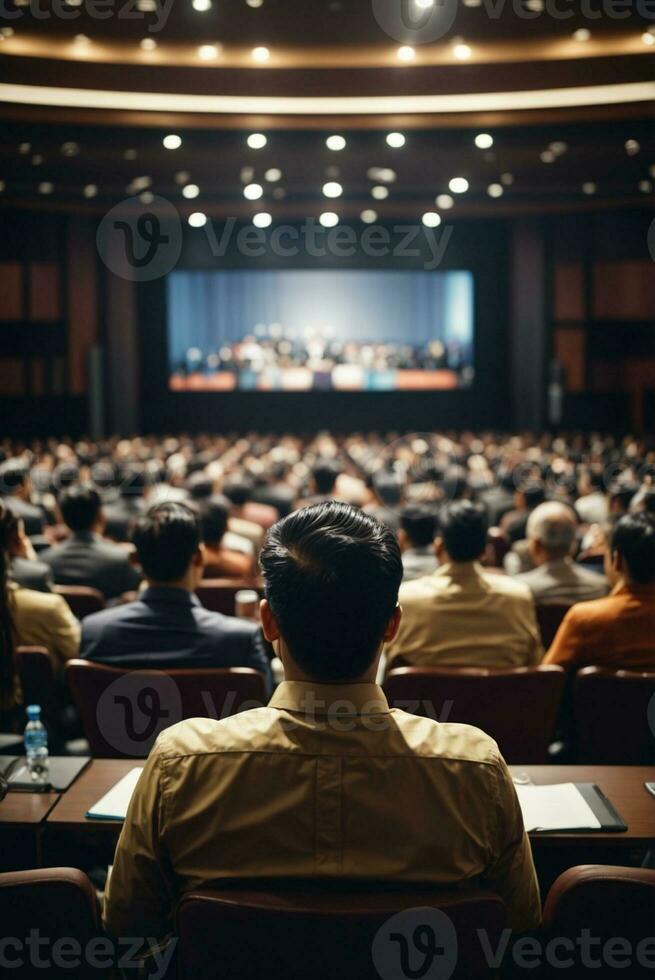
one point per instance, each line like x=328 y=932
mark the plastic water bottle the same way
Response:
x=36 y=745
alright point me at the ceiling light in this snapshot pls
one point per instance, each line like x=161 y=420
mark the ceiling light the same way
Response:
x=424 y=4
x=273 y=175
x=332 y=189
x=262 y=219
x=172 y=141
x=253 y=191
x=369 y=216
x=558 y=148
x=632 y=147
x=256 y=141
x=6 y=32
x=147 y=197
x=431 y=219
x=332 y=172
x=182 y=177
x=146 y=6
x=547 y=156
x=379 y=192
x=80 y=40
x=458 y=185
x=335 y=143
x=645 y=186
x=589 y=187
x=279 y=193
x=472 y=3
x=24 y=147
x=396 y=140
x=483 y=141
x=45 y=187
x=247 y=175
x=582 y=34
x=37 y=159
x=648 y=38
x=444 y=201
x=384 y=174
x=260 y=54
x=507 y=179
x=190 y=191
x=130 y=154
x=201 y=5
x=406 y=53
x=329 y=219
x=535 y=6
x=255 y=3
x=90 y=190
x=197 y=219
x=148 y=44
x=651 y=170
x=207 y=52
x=495 y=190
x=462 y=52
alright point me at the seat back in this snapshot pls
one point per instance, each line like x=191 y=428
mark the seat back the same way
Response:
x=82 y=599
x=60 y=903
x=497 y=548
x=324 y=930
x=218 y=594
x=614 y=716
x=38 y=679
x=517 y=707
x=123 y=710
x=549 y=617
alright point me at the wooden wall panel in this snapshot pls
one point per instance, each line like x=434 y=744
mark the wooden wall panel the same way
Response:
x=44 y=291
x=568 y=291
x=82 y=301
x=12 y=376
x=570 y=349
x=11 y=291
x=624 y=290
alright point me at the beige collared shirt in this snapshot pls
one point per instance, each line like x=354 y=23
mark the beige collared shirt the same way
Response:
x=464 y=616
x=325 y=782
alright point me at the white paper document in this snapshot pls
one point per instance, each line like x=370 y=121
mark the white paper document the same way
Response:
x=113 y=805
x=558 y=807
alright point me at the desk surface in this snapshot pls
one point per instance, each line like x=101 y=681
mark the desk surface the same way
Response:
x=26 y=809
x=623 y=785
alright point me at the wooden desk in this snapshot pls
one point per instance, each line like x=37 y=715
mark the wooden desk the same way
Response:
x=26 y=809
x=98 y=777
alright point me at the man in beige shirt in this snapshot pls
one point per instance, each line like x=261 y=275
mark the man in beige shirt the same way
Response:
x=461 y=615
x=326 y=781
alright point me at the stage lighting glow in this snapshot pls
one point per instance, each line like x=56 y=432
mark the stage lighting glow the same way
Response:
x=582 y=34
x=335 y=143
x=648 y=38
x=260 y=54
x=262 y=219
x=395 y=140
x=462 y=52
x=332 y=189
x=495 y=190
x=197 y=219
x=190 y=191
x=148 y=44
x=431 y=219
x=444 y=201
x=369 y=216
x=458 y=185
x=172 y=141
x=207 y=52
x=273 y=175
x=406 y=53
x=484 y=141
x=379 y=192
x=256 y=141
x=329 y=219
x=253 y=191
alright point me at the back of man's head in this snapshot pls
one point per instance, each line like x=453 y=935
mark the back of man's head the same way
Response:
x=214 y=515
x=553 y=526
x=389 y=488
x=166 y=539
x=325 y=473
x=633 y=538
x=332 y=577
x=238 y=492
x=80 y=507
x=534 y=494
x=419 y=522
x=200 y=485
x=463 y=528
x=13 y=476
x=134 y=481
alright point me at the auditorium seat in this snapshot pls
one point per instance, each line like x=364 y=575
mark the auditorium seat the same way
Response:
x=38 y=680
x=82 y=599
x=614 y=716
x=322 y=931
x=497 y=548
x=517 y=707
x=607 y=903
x=123 y=710
x=60 y=904
x=218 y=594
x=549 y=618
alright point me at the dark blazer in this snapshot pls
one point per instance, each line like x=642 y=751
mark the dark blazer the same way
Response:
x=120 y=515
x=168 y=627
x=30 y=574
x=86 y=559
x=33 y=517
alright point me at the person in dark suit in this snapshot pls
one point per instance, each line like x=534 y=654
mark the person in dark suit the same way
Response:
x=85 y=558
x=25 y=569
x=15 y=487
x=122 y=513
x=167 y=626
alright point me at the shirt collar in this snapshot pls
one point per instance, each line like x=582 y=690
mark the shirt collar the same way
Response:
x=166 y=593
x=460 y=569
x=320 y=699
x=622 y=588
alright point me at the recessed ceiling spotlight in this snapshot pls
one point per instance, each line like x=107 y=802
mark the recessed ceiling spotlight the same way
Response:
x=6 y=32
x=461 y=51
x=172 y=141
x=645 y=186
x=444 y=201
x=379 y=192
x=458 y=185
x=70 y=148
x=507 y=179
x=256 y=141
x=255 y=3
x=547 y=156
x=253 y=191
x=279 y=193
x=395 y=140
x=405 y=53
x=273 y=175
x=90 y=190
x=335 y=143
x=182 y=177
x=582 y=34
x=24 y=148
x=130 y=154
x=37 y=159
x=632 y=147
x=431 y=219
x=424 y=4
x=589 y=187
x=484 y=141
x=80 y=40
x=332 y=189
x=369 y=216
x=648 y=38
x=329 y=219
x=260 y=54
x=247 y=175
x=332 y=172
x=558 y=147
x=651 y=170
x=146 y=6
x=147 y=197
x=201 y=5
x=534 y=6
x=148 y=44
x=197 y=219
x=383 y=174
x=495 y=190
x=2 y=185
x=472 y=3
x=190 y=191
x=262 y=219
x=45 y=187
x=207 y=52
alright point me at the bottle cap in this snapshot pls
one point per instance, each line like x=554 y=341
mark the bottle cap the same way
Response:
x=33 y=711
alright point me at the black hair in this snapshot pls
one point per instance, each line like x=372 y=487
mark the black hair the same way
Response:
x=214 y=514
x=238 y=492
x=332 y=576
x=166 y=539
x=324 y=474
x=13 y=475
x=633 y=537
x=464 y=529
x=419 y=522
x=455 y=483
x=199 y=485
x=80 y=506
x=134 y=481
x=534 y=494
x=389 y=488
x=622 y=494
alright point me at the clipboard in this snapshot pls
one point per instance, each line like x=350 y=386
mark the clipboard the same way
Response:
x=611 y=820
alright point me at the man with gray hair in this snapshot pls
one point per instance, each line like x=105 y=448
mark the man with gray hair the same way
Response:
x=550 y=531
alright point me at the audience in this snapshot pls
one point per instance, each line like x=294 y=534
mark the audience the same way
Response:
x=418 y=529
x=25 y=568
x=618 y=631
x=592 y=505
x=326 y=781
x=551 y=532
x=167 y=626
x=221 y=561
x=526 y=499
x=122 y=512
x=16 y=489
x=461 y=615
x=85 y=558
x=388 y=490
